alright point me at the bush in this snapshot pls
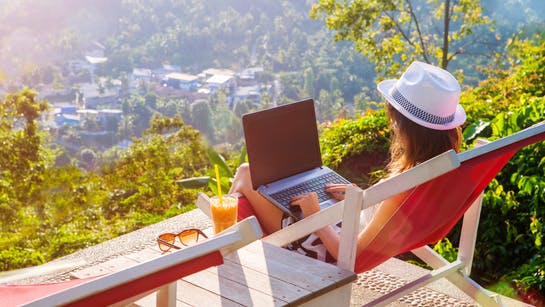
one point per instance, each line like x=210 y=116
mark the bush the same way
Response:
x=16 y=258
x=356 y=148
x=510 y=237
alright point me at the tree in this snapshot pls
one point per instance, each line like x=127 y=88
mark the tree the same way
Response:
x=88 y=159
x=310 y=78
x=393 y=33
x=22 y=155
x=143 y=178
x=201 y=119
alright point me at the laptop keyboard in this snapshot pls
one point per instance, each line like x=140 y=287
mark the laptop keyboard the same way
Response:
x=317 y=185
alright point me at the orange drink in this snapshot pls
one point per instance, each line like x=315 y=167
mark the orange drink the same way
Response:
x=224 y=215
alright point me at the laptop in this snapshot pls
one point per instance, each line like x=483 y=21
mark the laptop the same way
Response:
x=284 y=155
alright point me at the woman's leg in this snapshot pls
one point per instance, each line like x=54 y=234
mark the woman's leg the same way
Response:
x=268 y=214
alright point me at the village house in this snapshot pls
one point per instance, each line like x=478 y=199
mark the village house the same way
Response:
x=143 y=74
x=67 y=119
x=249 y=76
x=94 y=96
x=243 y=93
x=208 y=73
x=221 y=82
x=160 y=73
x=182 y=81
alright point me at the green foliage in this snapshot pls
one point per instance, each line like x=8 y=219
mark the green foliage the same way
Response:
x=511 y=231
x=144 y=176
x=531 y=275
x=504 y=288
x=16 y=257
x=70 y=239
x=344 y=139
x=506 y=88
x=357 y=148
x=22 y=156
x=71 y=209
x=210 y=182
x=394 y=33
x=446 y=249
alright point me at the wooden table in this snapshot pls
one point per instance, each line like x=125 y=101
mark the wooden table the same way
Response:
x=259 y=274
x=262 y=274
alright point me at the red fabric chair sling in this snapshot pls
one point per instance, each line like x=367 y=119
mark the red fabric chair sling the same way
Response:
x=16 y=295
x=433 y=208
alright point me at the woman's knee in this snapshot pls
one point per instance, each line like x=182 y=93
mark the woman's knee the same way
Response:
x=242 y=181
x=244 y=169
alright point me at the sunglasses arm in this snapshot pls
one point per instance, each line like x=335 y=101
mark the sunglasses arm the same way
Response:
x=168 y=244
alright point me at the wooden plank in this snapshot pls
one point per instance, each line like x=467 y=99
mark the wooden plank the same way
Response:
x=119 y=263
x=113 y=265
x=259 y=281
x=192 y=295
x=235 y=291
x=318 y=277
x=145 y=254
x=284 y=264
x=336 y=297
x=91 y=271
x=348 y=243
x=281 y=271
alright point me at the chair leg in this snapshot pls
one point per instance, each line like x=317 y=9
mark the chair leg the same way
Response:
x=459 y=279
x=417 y=283
x=474 y=290
x=468 y=236
x=166 y=295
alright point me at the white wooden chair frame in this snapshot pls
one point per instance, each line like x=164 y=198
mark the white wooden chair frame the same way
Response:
x=357 y=199
x=233 y=238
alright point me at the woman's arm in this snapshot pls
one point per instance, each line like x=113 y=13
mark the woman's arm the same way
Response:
x=309 y=205
x=330 y=238
x=385 y=210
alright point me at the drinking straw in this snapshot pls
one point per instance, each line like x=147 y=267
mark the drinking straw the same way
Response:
x=218 y=182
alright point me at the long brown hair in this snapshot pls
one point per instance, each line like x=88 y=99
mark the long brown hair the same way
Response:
x=412 y=143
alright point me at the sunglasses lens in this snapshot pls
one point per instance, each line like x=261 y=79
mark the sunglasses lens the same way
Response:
x=167 y=237
x=189 y=237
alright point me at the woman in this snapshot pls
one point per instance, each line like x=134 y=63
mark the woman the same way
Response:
x=424 y=116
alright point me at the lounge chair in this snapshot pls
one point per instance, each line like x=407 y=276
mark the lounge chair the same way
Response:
x=444 y=189
x=128 y=285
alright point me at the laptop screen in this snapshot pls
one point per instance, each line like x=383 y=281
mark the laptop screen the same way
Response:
x=281 y=141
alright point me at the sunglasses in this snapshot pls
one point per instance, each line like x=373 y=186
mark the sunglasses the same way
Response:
x=187 y=237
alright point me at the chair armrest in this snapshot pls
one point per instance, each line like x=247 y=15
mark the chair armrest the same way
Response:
x=152 y=274
x=203 y=203
x=308 y=225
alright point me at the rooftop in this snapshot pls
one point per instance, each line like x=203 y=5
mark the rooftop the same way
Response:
x=219 y=79
x=181 y=76
x=218 y=71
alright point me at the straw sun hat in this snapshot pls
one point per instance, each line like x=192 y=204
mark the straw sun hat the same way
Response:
x=427 y=95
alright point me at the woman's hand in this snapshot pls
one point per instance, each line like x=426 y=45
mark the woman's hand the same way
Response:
x=337 y=190
x=307 y=202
